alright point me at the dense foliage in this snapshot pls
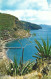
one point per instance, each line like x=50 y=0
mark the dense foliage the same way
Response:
x=21 y=68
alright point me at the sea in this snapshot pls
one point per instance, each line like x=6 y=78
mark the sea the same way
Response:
x=28 y=44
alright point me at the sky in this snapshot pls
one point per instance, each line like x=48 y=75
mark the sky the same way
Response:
x=34 y=11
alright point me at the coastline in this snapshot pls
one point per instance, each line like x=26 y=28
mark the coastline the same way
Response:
x=3 y=52
x=4 y=42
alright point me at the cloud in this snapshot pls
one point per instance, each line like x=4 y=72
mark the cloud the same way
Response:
x=35 y=11
x=34 y=16
x=24 y=4
x=35 y=4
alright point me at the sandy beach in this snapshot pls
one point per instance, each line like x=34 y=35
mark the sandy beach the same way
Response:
x=3 y=50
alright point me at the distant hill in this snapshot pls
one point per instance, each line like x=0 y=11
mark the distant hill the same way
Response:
x=31 y=26
x=44 y=25
x=10 y=25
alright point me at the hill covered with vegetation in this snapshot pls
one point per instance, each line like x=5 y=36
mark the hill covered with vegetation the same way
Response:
x=11 y=25
x=8 y=25
x=31 y=26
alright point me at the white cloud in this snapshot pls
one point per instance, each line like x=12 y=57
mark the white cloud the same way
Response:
x=34 y=16
x=34 y=4
x=25 y=4
x=35 y=11
x=43 y=4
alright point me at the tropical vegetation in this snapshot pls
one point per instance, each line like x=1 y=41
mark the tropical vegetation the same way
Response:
x=43 y=51
x=42 y=67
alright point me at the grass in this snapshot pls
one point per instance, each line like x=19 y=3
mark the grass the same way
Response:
x=3 y=66
x=32 y=75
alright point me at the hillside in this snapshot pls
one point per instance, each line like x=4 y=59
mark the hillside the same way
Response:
x=31 y=26
x=10 y=26
x=44 y=25
x=8 y=21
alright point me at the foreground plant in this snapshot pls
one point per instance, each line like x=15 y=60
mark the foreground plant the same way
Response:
x=3 y=66
x=13 y=68
x=43 y=51
x=17 y=69
x=27 y=67
x=21 y=68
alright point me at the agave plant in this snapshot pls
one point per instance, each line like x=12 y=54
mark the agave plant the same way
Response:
x=43 y=51
x=27 y=67
x=13 y=68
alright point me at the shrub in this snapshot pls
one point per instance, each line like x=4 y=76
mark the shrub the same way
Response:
x=3 y=67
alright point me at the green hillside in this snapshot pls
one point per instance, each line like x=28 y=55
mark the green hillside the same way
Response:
x=10 y=26
x=8 y=21
x=31 y=26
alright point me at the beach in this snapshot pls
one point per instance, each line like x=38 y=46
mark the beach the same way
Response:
x=2 y=48
x=3 y=44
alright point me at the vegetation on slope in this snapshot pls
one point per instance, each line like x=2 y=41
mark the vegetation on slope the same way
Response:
x=9 y=25
x=31 y=26
x=8 y=22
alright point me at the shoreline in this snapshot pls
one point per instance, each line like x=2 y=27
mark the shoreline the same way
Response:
x=3 y=54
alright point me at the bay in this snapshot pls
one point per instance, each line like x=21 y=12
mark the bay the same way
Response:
x=28 y=44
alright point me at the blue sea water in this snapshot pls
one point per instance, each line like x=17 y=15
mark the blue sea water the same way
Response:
x=29 y=44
